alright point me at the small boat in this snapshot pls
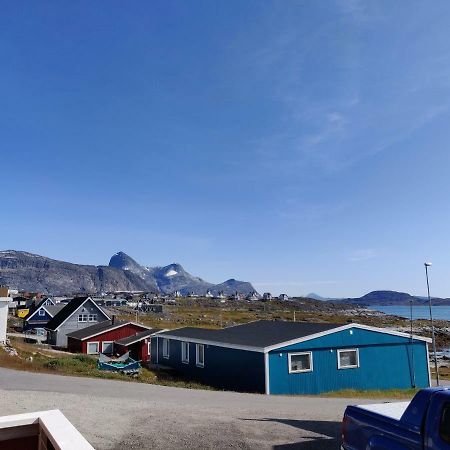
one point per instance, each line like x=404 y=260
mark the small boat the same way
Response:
x=123 y=364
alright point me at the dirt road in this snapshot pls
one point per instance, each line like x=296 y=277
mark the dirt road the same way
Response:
x=120 y=415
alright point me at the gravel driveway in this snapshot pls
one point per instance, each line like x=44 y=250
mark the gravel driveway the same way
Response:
x=120 y=415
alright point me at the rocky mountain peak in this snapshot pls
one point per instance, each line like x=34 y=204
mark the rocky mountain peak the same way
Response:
x=31 y=272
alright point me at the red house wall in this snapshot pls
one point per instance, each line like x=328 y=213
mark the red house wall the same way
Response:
x=141 y=346
x=145 y=355
x=74 y=345
x=112 y=335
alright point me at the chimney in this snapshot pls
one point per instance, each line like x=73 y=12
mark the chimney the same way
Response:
x=113 y=319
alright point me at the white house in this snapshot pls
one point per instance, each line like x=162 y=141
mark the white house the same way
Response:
x=4 y=303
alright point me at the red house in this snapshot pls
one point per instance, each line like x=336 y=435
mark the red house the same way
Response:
x=102 y=337
x=138 y=345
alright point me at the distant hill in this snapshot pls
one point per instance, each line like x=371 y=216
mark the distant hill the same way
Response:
x=319 y=297
x=316 y=296
x=386 y=298
x=35 y=273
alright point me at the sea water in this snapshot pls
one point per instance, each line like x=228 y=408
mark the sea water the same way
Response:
x=419 y=312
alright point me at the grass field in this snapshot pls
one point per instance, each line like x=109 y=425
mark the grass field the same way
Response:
x=34 y=358
x=391 y=394
x=210 y=314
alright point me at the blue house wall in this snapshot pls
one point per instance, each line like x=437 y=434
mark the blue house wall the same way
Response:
x=385 y=362
x=37 y=321
x=224 y=368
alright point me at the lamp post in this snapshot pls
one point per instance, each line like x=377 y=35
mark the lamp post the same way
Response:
x=428 y=264
x=412 y=345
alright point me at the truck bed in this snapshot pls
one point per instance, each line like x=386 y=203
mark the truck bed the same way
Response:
x=391 y=410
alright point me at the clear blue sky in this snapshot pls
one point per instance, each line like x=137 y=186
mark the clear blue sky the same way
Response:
x=304 y=146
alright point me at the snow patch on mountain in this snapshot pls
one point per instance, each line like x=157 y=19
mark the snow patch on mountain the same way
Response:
x=171 y=273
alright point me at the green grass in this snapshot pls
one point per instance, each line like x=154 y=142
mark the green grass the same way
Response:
x=377 y=394
x=35 y=359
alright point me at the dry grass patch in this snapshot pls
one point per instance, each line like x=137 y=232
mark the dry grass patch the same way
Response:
x=394 y=394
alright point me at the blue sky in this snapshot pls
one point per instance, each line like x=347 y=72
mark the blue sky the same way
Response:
x=303 y=146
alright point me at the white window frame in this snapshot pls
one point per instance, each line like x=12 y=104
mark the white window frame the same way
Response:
x=93 y=342
x=184 y=353
x=149 y=349
x=82 y=318
x=93 y=316
x=107 y=342
x=197 y=359
x=338 y=353
x=311 y=363
x=41 y=312
x=166 y=348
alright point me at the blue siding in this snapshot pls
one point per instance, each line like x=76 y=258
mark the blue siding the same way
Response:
x=224 y=368
x=385 y=362
x=37 y=321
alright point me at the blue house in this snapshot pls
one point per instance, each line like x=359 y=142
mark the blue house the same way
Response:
x=276 y=357
x=41 y=314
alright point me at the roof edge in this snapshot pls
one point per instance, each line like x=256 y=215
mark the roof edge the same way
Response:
x=115 y=327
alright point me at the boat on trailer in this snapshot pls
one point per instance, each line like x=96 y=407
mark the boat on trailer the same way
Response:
x=123 y=364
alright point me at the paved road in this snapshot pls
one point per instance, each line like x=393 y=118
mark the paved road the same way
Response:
x=119 y=415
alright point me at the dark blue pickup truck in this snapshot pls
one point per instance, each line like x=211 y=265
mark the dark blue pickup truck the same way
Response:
x=421 y=424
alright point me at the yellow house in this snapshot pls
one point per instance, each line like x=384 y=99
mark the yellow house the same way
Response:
x=22 y=313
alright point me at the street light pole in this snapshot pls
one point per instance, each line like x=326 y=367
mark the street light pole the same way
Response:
x=412 y=346
x=428 y=264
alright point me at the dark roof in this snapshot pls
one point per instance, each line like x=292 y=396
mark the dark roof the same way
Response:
x=66 y=312
x=137 y=337
x=54 y=309
x=99 y=327
x=262 y=333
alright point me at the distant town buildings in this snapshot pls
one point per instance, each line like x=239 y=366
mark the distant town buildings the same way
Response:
x=252 y=296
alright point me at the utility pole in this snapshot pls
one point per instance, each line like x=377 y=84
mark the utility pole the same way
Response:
x=428 y=264
x=412 y=346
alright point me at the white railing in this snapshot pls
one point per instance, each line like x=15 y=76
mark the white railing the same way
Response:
x=51 y=428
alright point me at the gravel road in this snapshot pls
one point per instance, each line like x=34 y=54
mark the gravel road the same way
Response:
x=119 y=415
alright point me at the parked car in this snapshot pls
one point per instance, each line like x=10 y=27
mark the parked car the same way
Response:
x=421 y=424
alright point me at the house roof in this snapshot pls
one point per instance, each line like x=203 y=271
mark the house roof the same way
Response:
x=68 y=310
x=100 y=328
x=266 y=335
x=262 y=333
x=137 y=337
x=52 y=310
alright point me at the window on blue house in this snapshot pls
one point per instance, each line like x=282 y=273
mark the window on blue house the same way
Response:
x=166 y=348
x=200 y=355
x=41 y=312
x=185 y=352
x=300 y=362
x=348 y=359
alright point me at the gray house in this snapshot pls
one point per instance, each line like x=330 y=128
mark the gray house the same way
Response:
x=79 y=313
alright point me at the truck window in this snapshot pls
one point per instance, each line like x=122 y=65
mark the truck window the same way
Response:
x=444 y=428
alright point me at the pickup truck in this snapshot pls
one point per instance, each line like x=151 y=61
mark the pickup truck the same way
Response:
x=421 y=424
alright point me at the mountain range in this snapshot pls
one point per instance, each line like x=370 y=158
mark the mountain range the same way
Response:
x=35 y=273
x=384 y=298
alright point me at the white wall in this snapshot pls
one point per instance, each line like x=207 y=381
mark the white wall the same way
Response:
x=4 y=301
